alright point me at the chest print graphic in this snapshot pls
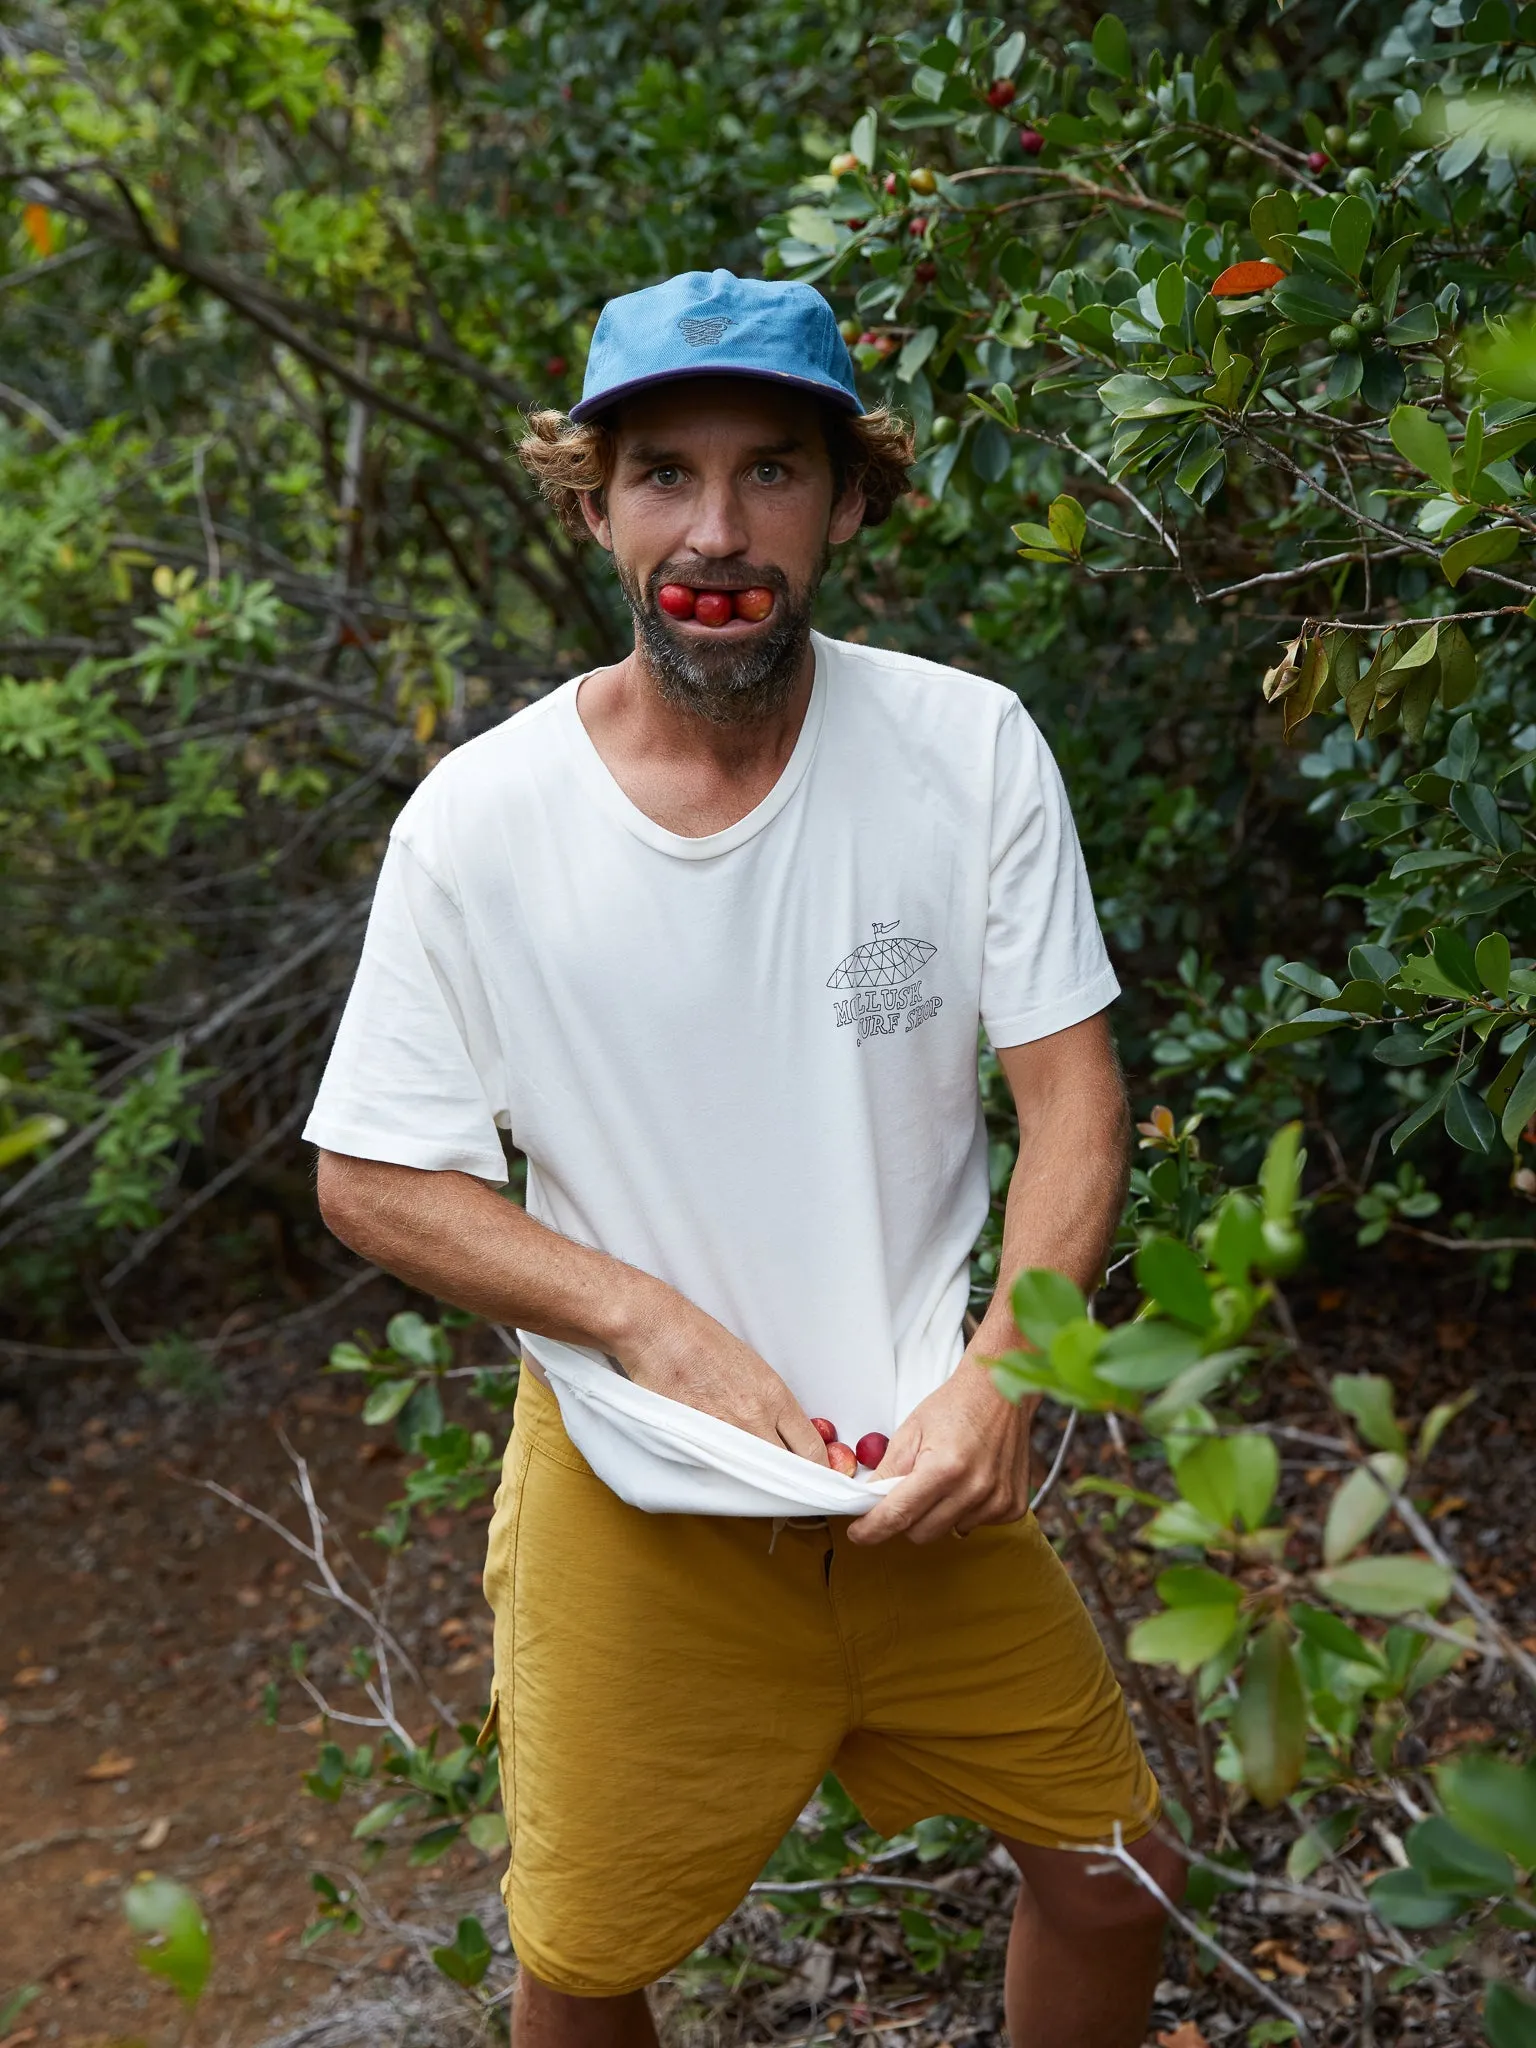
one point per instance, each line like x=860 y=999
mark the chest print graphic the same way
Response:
x=885 y=988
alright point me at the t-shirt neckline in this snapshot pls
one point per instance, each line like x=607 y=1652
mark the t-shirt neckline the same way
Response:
x=600 y=780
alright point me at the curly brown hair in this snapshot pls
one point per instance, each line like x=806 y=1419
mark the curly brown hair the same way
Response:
x=873 y=451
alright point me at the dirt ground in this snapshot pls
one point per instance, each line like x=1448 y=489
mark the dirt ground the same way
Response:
x=141 y=1620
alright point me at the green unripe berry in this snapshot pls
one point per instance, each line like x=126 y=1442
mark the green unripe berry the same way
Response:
x=850 y=330
x=1360 y=143
x=1358 y=179
x=1369 y=319
x=1335 y=138
x=1137 y=123
x=944 y=428
x=1344 y=338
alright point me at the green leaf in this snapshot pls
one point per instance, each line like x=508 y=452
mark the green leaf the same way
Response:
x=1269 y=1722
x=1170 y=1273
x=1310 y=301
x=1196 y=1585
x=1422 y=441
x=1520 y=1108
x=1509 y=2017
x=15 y=2003
x=1274 y=215
x=1458 y=666
x=1349 y=232
x=29 y=1135
x=1143 y=1356
x=1385 y=1585
x=862 y=141
x=1310 y=1024
x=469 y=1957
x=918 y=348
x=1468 y=1120
x=1403 y=1899
x=177 y=1947
x=1366 y=1397
x=1067 y=521
x=1494 y=1802
x=1044 y=1302
x=488 y=1832
x=416 y=1340
x=1361 y=1503
x=387 y=1399
x=1112 y=46
x=1183 y=1636
x=1451 y=1861
x=1329 y=1633
x=1476 y=550
x=1230 y=1478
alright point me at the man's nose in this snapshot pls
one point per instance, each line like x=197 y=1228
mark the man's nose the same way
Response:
x=717 y=529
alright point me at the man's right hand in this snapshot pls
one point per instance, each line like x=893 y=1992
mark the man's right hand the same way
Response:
x=678 y=1350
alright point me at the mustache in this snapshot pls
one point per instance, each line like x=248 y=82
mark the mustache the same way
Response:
x=717 y=576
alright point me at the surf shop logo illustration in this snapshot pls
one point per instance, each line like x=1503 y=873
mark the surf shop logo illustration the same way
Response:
x=885 y=993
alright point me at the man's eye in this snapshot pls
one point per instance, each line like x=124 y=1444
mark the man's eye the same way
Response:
x=666 y=474
x=768 y=472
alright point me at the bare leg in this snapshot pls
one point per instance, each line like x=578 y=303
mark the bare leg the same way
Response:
x=542 y=2018
x=1084 y=1951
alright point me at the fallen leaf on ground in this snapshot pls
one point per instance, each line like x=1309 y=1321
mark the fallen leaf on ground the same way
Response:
x=58 y=1487
x=36 y=1674
x=248 y=1596
x=110 y=1764
x=154 y=1835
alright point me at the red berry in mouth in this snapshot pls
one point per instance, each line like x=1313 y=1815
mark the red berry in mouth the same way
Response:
x=827 y=1431
x=1031 y=141
x=713 y=607
x=676 y=600
x=754 y=605
x=841 y=1459
x=1003 y=94
x=869 y=1450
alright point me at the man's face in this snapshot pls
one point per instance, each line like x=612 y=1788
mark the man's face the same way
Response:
x=719 y=484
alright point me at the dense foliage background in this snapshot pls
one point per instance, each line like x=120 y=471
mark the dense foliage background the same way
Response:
x=1214 y=326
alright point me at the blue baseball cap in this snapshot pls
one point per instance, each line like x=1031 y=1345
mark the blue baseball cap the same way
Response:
x=710 y=323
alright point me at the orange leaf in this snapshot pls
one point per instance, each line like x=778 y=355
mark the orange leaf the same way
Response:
x=108 y=1765
x=1242 y=278
x=38 y=222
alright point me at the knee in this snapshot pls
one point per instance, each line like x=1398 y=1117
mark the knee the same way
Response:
x=1091 y=1896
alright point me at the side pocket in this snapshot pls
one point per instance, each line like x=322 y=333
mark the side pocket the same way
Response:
x=489 y=1722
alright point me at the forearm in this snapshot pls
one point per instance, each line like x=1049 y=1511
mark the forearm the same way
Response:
x=1067 y=1191
x=456 y=1238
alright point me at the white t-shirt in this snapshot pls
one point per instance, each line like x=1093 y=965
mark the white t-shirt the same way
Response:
x=744 y=1063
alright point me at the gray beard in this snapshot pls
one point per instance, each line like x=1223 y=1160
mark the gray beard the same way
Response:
x=728 y=685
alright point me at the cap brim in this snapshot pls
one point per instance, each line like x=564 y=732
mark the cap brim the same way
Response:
x=588 y=408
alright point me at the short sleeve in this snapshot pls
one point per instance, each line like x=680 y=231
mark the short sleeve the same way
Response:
x=1044 y=967
x=412 y=1076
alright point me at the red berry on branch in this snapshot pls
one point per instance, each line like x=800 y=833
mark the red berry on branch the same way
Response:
x=754 y=605
x=855 y=225
x=925 y=273
x=555 y=366
x=841 y=1459
x=676 y=600
x=1003 y=94
x=713 y=607
x=869 y=1450
x=1317 y=160
x=827 y=1431
x=892 y=183
x=1031 y=141
x=919 y=224
x=868 y=338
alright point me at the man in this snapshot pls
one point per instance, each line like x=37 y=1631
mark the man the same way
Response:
x=709 y=933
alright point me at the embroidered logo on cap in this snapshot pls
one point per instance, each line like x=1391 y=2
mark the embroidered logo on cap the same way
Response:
x=700 y=333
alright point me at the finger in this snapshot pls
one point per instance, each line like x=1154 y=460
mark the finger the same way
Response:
x=794 y=1431
x=900 y=1508
x=900 y=1454
x=956 y=1513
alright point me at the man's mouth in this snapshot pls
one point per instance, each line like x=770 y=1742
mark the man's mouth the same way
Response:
x=715 y=607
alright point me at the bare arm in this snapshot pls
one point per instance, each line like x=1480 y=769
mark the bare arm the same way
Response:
x=965 y=1450
x=456 y=1238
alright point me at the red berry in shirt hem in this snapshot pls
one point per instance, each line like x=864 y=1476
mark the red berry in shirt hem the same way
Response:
x=869 y=1450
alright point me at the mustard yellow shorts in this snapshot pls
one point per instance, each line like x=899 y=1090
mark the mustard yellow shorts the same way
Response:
x=670 y=1689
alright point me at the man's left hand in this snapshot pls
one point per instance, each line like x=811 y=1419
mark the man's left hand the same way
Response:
x=962 y=1457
